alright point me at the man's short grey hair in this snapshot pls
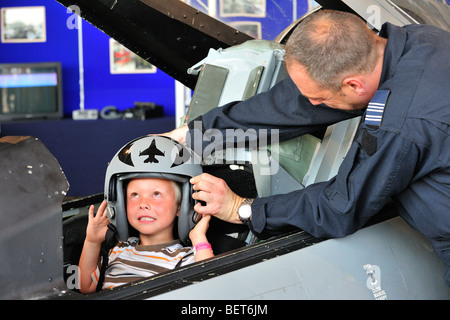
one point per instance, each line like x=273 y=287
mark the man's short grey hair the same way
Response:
x=331 y=45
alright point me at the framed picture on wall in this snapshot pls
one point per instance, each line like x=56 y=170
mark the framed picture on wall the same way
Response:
x=122 y=60
x=252 y=28
x=243 y=8
x=23 y=24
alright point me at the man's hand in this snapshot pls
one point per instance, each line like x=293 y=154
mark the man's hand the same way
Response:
x=178 y=134
x=220 y=201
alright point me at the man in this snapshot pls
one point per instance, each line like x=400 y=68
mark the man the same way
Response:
x=336 y=67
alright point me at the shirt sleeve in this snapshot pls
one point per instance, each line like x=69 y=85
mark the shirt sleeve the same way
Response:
x=370 y=173
x=95 y=276
x=282 y=108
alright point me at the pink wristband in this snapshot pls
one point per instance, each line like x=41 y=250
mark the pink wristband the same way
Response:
x=202 y=246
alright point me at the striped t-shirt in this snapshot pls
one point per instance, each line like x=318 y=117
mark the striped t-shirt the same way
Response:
x=130 y=261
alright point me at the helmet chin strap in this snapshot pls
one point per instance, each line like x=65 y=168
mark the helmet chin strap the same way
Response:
x=186 y=218
x=120 y=219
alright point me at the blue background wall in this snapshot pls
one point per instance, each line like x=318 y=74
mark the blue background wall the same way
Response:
x=121 y=90
x=101 y=87
x=61 y=46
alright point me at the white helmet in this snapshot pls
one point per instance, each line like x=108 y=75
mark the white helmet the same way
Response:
x=156 y=157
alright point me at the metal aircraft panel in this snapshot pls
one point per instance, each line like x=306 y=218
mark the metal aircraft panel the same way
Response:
x=384 y=261
x=31 y=191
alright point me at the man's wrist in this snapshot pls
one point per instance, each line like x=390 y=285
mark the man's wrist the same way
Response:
x=244 y=211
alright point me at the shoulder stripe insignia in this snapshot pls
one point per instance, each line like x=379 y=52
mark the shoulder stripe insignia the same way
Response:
x=375 y=109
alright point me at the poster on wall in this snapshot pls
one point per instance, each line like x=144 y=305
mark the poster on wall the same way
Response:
x=122 y=60
x=243 y=8
x=23 y=24
x=252 y=28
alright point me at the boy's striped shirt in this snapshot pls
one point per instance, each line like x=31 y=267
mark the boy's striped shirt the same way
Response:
x=130 y=261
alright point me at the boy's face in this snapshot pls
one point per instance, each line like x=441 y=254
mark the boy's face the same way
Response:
x=151 y=209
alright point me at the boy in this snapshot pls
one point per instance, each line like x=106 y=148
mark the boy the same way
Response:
x=152 y=205
x=153 y=199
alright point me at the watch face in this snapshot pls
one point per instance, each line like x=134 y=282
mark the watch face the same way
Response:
x=245 y=211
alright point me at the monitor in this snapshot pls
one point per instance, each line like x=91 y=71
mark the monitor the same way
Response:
x=30 y=91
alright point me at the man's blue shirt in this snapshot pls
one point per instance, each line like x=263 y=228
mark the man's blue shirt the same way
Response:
x=406 y=158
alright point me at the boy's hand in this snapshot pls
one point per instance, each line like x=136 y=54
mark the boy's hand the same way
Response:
x=198 y=233
x=97 y=225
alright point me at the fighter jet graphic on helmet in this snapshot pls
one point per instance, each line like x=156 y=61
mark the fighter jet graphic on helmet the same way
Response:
x=151 y=152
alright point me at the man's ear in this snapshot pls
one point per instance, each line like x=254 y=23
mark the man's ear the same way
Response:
x=355 y=85
x=178 y=210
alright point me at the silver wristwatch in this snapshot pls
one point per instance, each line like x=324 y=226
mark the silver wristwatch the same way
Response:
x=245 y=210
